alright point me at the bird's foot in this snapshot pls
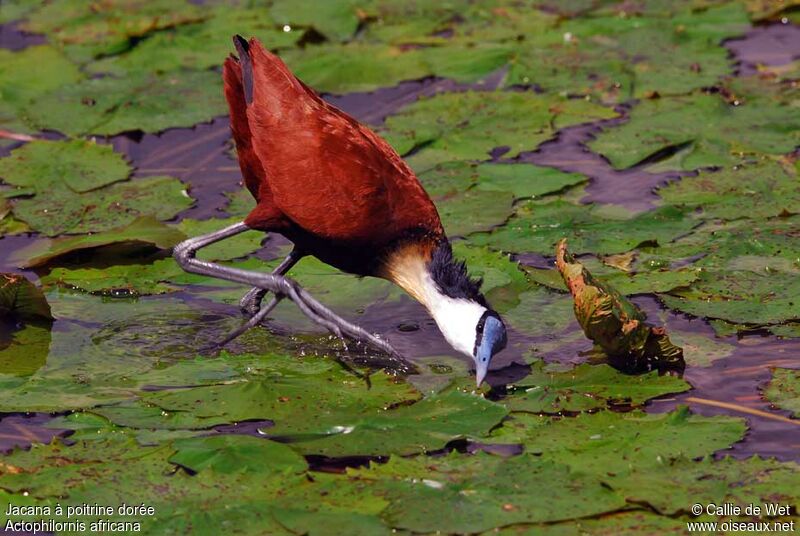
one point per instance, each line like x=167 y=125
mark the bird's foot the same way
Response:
x=250 y=304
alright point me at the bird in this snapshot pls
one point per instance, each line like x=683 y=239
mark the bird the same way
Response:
x=340 y=193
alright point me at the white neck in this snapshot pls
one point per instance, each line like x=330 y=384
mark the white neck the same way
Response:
x=457 y=318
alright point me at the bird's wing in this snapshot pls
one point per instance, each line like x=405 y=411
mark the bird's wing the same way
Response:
x=329 y=174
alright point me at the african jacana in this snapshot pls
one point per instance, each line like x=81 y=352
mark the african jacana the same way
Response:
x=340 y=193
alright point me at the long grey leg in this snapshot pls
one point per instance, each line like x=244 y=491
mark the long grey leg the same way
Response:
x=184 y=254
x=251 y=302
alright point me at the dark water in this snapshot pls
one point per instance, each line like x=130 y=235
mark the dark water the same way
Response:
x=199 y=157
x=774 y=44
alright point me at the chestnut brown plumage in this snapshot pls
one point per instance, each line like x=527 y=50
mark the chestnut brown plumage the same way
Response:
x=339 y=192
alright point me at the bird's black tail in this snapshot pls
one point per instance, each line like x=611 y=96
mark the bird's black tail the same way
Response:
x=243 y=48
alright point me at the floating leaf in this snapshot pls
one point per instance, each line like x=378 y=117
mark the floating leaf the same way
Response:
x=142 y=231
x=122 y=279
x=141 y=101
x=614 y=323
x=46 y=166
x=427 y=425
x=27 y=350
x=235 y=454
x=460 y=126
x=525 y=180
x=538 y=226
x=279 y=393
x=607 y=442
x=761 y=190
x=27 y=74
x=197 y=45
x=706 y=126
x=469 y=494
x=784 y=389
x=587 y=387
x=86 y=29
x=336 y=20
x=621 y=57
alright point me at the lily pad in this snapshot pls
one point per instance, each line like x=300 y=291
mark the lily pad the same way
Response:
x=762 y=189
x=26 y=351
x=427 y=425
x=784 y=390
x=198 y=45
x=460 y=126
x=27 y=74
x=105 y=208
x=607 y=442
x=538 y=226
x=337 y=20
x=468 y=494
x=587 y=387
x=622 y=57
x=142 y=231
x=123 y=279
x=614 y=323
x=525 y=180
x=86 y=30
x=708 y=127
x=279 y=393
x=46 y=166
x=235 y=454
x=139 y=102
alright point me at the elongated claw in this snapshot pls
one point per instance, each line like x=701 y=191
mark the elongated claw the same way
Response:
x=185 y=252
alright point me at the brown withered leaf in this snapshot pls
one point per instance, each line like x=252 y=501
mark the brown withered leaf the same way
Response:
x=614 y=323
x=21 y=299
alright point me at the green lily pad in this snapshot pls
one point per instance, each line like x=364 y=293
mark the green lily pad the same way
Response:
x=86 y=30
x=538 y=226
x=105 y=208
x=760 y=190
x=626 y=523
x=606 y=442
x=26 y=351
x=709 y=128
x=468 y=494
x=644 y=281
x=279 y=392
x=46 y=166
x=197 y=45
x=668 y=488
x=587 y=387
x=22 y=300
x=424 y=426
x=236 y=453
x=123 y=279
x=337 y=20
x=740 y=297
x=141 y=101
x=525 y=180
x=784 y=389
x=460 y=126
x=142 y=231
x=17 y=9
x=27 y=74
x=622 y=57
x=614 y=323
x=354 y=66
